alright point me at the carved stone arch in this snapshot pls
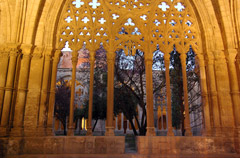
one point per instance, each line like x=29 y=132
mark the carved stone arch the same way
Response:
x=199 y=9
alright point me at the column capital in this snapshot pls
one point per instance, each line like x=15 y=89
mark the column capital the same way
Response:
x=36 y=56
x=183 y=58
x=219 y=56
x=111 y=56
x=210 y=61
x=57 y=55
x=74 y=60
x=167 y=59
x=201 y=60
x=4 y=53
x=232 y=54
x=92 y=55
x=27 y=49
x=148 y=57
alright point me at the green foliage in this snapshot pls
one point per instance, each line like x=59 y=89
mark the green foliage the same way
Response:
x=177 y=86
x=177 y=90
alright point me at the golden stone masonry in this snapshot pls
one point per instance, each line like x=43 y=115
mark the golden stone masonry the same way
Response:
x=33 y=33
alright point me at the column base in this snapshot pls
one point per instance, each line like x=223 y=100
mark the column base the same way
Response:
x=70 y=131
x=170 y=132
x=207 y=133
x=50 y=131
x=4 y=131
x=41 y=131
x=30 y=132
x=188 y=132
x=151 y=131
x=227 y=132
x=17 y=132
x=89 y=131
x=109 y=131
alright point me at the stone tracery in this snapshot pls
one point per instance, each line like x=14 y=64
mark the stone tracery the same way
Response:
x=130 y=25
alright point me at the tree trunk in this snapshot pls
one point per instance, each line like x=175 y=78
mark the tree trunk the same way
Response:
x=64 y=129
x=133 y=128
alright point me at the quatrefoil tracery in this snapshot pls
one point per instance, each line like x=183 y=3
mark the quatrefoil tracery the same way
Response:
x=119 y=22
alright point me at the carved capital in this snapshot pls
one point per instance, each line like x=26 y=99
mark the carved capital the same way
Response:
x=27 y=49
x=57 y=56
x=148 y=57
x=111 y=56
x=211 y=61
x=48 y=57
x=219 y=56
x=92 y=55
x=183 y=58
x=36 y=56
x=48 y=51
x=4 y=53
x=201 y=60
x=232 y=54
x=74 y=60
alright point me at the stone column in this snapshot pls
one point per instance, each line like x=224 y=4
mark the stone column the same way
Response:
x=122 y=120
x=169 y=107
x=50 y=130
x=213 y=97
x=127 y=125
x=224 y=94
x=44 y=92
x=204 y=92
x=92 y=63
x=234 y=86
x=22 y=91
x=110 y=93
x=158 y=123
x=4 y=128
x=188 y=131
x=71 y=112
x=162 y=128
x=4 y=59
x=149 y=95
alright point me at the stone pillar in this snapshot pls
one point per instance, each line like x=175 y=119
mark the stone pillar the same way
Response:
x=92 y=63
x=168 y=91
x=4 y=59
x=157 y=123
x=4 y=128
x=234 y=86
x=162 y=128
x=122 y=120
x=149 y=95
x=224 y=94
x=213 y=97
x=188 y=131
x=50 y=130
x=204 y=92
x=127 y=125
x=22 y=91
x=71 y=112
x=110 y=93
x=44 y=92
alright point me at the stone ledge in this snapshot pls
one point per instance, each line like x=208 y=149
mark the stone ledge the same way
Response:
x=187 y=145
x=64 y=145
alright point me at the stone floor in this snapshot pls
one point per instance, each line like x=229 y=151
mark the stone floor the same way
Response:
x=126 y=156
